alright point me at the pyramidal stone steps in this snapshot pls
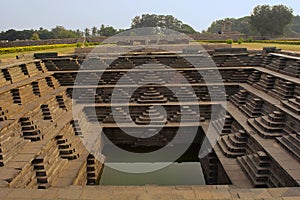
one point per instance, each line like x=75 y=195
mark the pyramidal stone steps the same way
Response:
x=152 y=96
x=152 y=116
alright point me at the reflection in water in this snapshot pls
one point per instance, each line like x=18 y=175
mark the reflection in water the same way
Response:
x=174 y=174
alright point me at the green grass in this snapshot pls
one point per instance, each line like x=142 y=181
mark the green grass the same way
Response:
x=259 y=46
x=60 y=51
x=295 y=47
x=70 y=49
x=33 y=48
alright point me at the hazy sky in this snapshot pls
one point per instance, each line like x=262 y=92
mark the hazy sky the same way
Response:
x=73 y=14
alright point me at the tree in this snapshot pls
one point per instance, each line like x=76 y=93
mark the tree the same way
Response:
x=187 y=29
x=271 y=20
x=293 y=29
x=87 y=32
x=94 y=31
x=35 y=36
x=44 y=34
x=60 y=32
x=295 y=24
x=241 y=25
x=107 y=31
x=12 y=35
x=163 y=21
x=79 y=33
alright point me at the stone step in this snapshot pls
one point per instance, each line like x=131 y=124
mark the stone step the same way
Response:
x=262 y=132
x=34 y=138
x=261 y=168
x=271 y=123
x=251 y=112
x=240 y=142
x=29 y=128
x=296 y=139
x=251 y=174
x=228 y=153
x=72 y=156
x=291 y=107
x=43 y=186
x=267 y=127
x=230 y=146
x=290 y=146
x=66 y=151
x=33 y=132
x=11 y=147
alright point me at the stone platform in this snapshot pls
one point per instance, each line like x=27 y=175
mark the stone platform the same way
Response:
x=152 y=192
x=43 y=154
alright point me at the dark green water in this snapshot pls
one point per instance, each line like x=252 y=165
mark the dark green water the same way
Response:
x=189 y=173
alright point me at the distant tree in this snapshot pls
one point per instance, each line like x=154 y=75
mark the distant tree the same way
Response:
x=215 y=27
x=295 y=24
x=271 y=20
x=60 y=32
x=121 y=30
x=187 y=29
x=35 y=36
x=12 y=35
x=45 y=34
x=163 y=21
x=107 y=31
x=87 y=32
x=293 y=29
x=94 y=31
x=79 y=33
x=241 y=25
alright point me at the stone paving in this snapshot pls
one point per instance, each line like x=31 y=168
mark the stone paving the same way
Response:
x=220 y=192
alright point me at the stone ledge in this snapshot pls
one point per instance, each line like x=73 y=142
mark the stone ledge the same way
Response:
x=150 y=192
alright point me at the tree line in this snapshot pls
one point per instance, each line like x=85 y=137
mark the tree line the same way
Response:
x=265 y=20
x=59 y=32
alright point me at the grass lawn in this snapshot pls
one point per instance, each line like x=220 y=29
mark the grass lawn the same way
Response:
x=259 y=46
x=250 y=46
x=60 y=51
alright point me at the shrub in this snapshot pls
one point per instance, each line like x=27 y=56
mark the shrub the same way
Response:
x=229 y=41
x=249 y=40
x=78 y=44
x=86 y=44
x=240 y=41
